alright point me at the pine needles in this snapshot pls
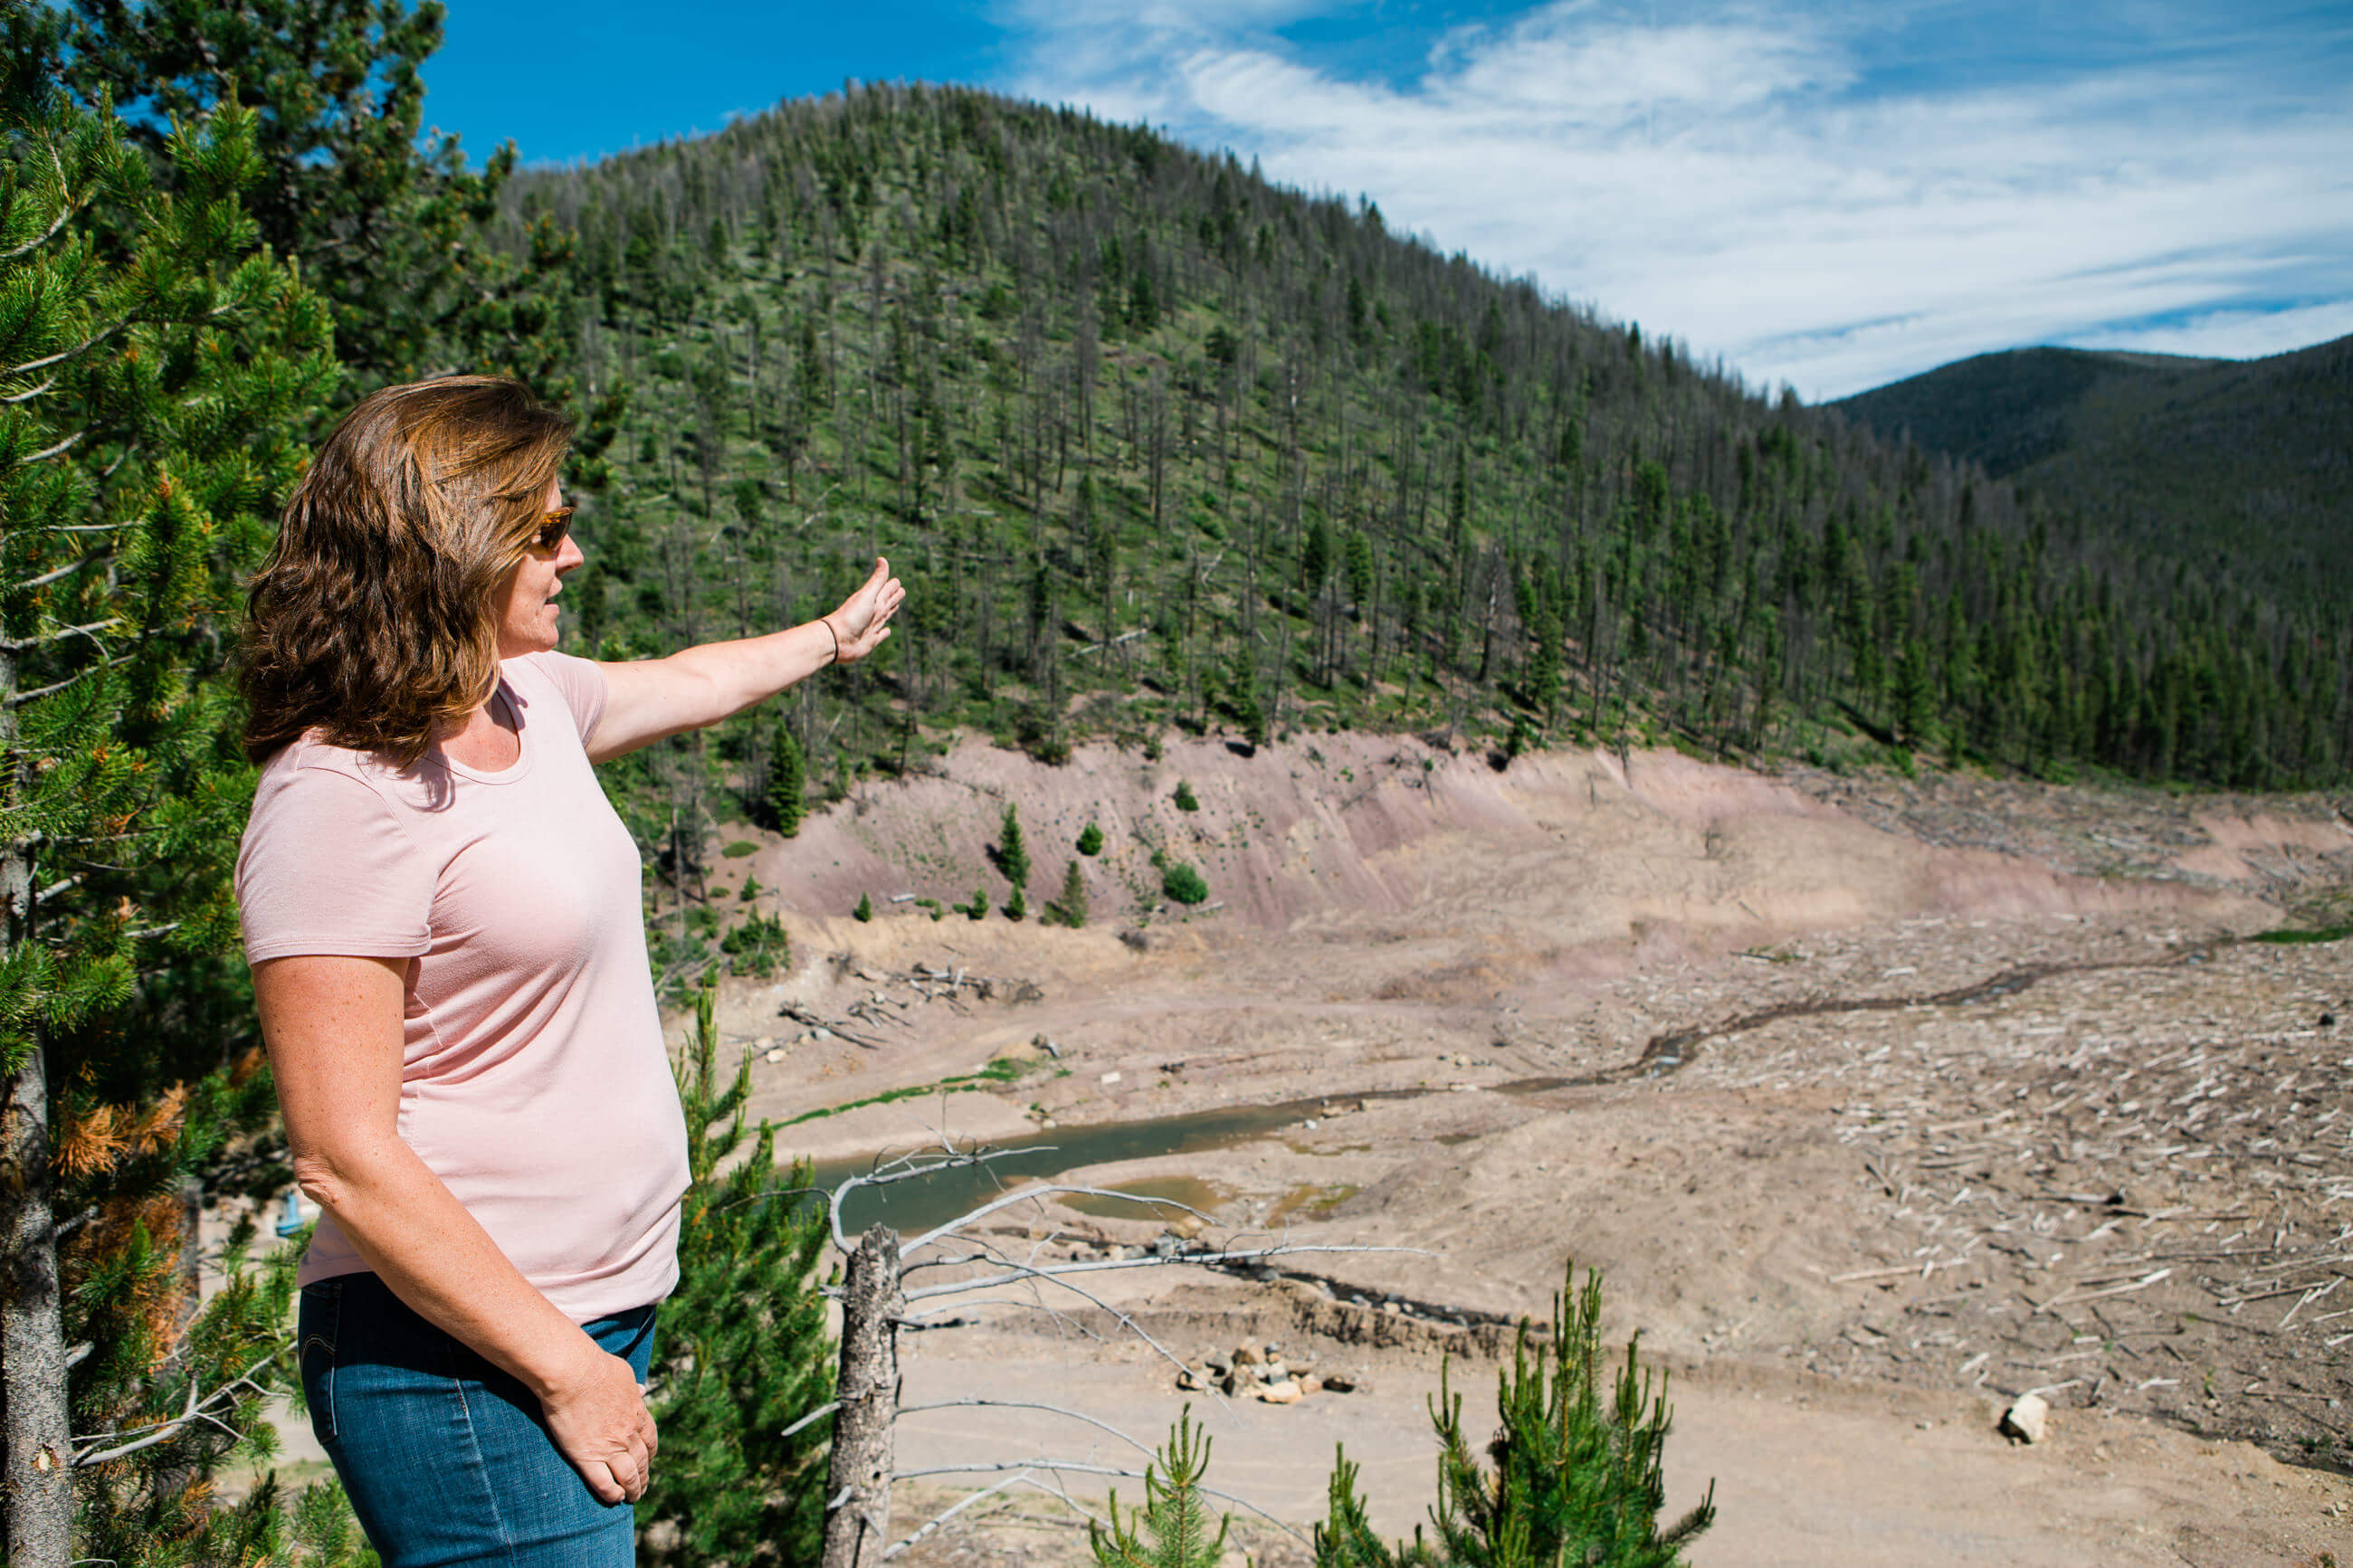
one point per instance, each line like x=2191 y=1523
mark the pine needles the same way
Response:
x=1172 y=1529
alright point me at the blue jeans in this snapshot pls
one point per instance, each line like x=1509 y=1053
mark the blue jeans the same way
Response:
x=446 y=1457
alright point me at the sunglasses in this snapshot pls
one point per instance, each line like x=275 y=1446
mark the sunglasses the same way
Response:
x=554 y=528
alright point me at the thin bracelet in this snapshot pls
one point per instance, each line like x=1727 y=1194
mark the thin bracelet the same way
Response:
x=834 y=635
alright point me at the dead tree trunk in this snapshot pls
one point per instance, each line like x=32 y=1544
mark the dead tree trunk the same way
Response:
x=857 y=1485
x=36 y=1492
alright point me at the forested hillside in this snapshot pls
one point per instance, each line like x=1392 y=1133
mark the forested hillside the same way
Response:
x=2237 y=470
x=1156 y=443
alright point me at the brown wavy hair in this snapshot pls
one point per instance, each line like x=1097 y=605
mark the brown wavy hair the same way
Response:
x=375 y=619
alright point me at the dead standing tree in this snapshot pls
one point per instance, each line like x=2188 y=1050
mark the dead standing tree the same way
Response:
x=866 y=1401
x=876 y=1302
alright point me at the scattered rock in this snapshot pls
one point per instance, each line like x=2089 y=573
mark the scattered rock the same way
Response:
x=1191 y=1381
x=1283 y=1393
x=1110 y=1078
x=1310 y=1383
x=1248 y=1355
x=2025 y=1419
x=774 y=1053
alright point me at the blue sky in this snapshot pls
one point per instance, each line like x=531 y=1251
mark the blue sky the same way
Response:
x=1830 y=194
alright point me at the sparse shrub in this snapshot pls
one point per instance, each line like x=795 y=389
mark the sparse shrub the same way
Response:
x=739 y=847
x=1182 y=883
x=750 y=890
x=1186 y=799
x=757 y=947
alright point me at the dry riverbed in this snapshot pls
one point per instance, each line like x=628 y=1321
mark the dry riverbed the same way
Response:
x=1877 y=1103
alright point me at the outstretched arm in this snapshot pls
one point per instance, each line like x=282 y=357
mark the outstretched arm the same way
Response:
x=646 y=699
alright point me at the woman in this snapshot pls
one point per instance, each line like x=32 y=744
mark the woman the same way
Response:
x=443 y=918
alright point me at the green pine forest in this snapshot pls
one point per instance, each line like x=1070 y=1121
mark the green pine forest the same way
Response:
x=1156 y=443
x=2237 y=468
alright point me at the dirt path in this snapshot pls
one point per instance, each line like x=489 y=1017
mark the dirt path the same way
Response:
x=1897 y=1098
x=1807 y=1472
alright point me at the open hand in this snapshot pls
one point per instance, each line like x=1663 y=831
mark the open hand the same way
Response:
x=599 y=1422
x=863 y=621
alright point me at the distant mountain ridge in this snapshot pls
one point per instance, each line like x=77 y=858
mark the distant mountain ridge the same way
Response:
x=2240 y=467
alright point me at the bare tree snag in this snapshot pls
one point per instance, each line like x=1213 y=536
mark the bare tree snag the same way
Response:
x=857 y=1485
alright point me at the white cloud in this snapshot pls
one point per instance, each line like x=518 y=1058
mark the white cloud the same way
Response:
x=1742 y=180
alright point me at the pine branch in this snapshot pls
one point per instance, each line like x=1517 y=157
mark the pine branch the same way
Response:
x=87 y=629
x=197 y=1409
x=67 y=570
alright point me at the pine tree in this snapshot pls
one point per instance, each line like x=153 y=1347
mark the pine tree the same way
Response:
x=1573 y=1478
x=742 y=1351
x=388 y=224
x=1012 y=859
x=383 y=221
x=1172 y=1529
x=159 y=372
x=1091 y=839
x=865 y=909
x=786 y=802
x=1070 y=908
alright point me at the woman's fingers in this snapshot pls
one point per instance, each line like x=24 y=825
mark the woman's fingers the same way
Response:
x=605 y=1484
x=866 y=614
x=600 y=1423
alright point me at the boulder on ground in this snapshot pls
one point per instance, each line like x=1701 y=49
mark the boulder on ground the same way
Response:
x=2025 y=1419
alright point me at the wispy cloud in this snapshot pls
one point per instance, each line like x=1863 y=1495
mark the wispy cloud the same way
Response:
x=1832 y=197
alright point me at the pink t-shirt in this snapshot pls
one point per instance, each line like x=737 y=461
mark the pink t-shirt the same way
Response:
x=533 y=1079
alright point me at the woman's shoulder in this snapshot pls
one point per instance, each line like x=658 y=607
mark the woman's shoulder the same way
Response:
x=312 y=769
x=578 y=683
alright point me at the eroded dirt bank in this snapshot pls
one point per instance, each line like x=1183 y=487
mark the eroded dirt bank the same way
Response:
x=1877 y=1102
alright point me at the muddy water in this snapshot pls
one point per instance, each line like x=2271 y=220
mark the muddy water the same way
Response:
x=912 y=1206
